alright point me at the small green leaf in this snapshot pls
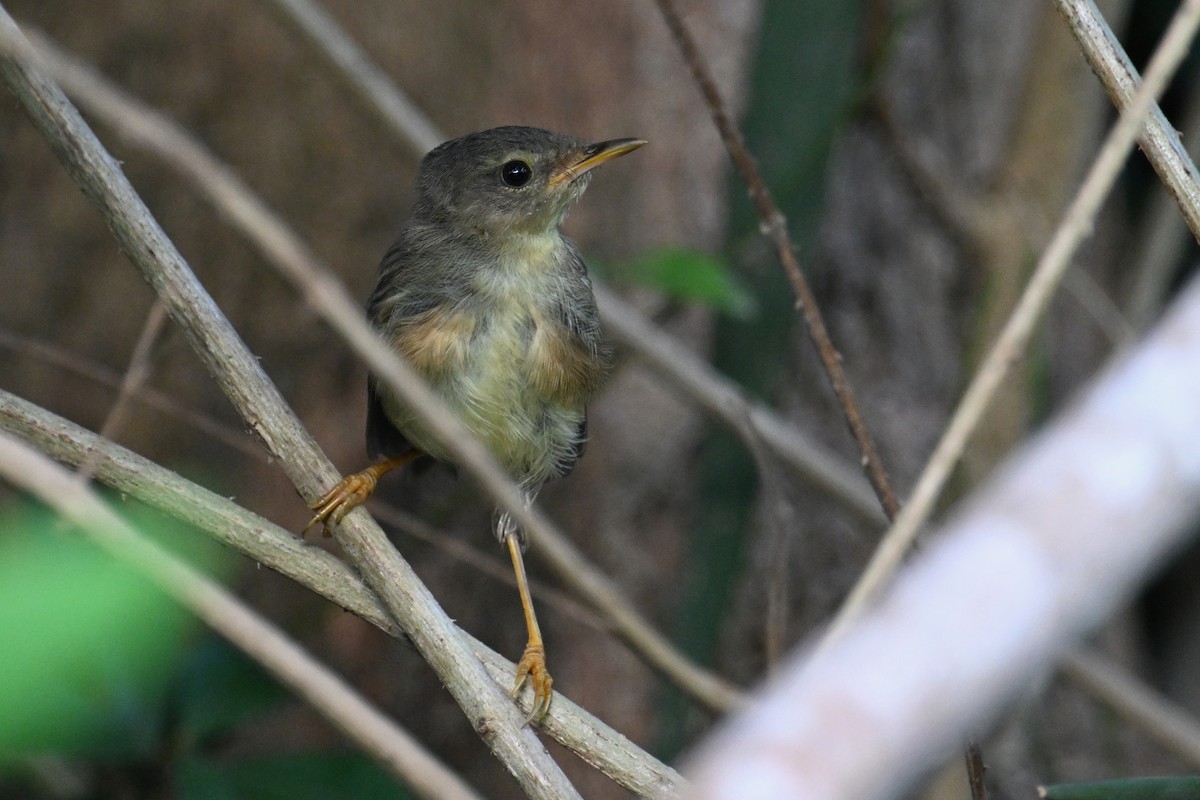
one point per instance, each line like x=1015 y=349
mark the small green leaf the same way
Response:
x=297 y=776
x=1171 y=788
x=88 y=644
x=219 y=688
x=692 y=277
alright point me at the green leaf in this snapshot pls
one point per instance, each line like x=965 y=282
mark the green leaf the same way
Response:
x=1174 y=788
x=87 y=644
x=298 y=776
x=692 y=277
x=219 y=688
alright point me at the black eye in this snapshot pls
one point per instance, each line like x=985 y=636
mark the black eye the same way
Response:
x=515 y=173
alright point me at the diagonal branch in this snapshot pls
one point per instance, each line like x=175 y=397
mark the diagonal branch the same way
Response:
x=242 y=379
x=1060 y=535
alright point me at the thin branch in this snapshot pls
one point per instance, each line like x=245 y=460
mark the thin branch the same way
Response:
x=1158 y=139
x=775 y=228
x=725 y=400
x=135 y=377
x=64 y=359
x=362 y=723
x=1067 y=529
x=399 y=113
x=1014 y=338
x=312 y=567
x=288 y=254
x=241 y=377
x=1157 y=717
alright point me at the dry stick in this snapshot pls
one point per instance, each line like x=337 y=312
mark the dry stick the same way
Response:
x=324 y=690
x=135 y=377
x=1159 y=141
x=1015 y=336
x=725 y=400
x=159 y=401
x=240 y=376
x=775 y=228
x=396 y=110
x=312 y=567
x=291 y=256
x=681 y=367
x=1159 y=718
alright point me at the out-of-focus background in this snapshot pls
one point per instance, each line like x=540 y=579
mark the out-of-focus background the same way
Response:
x=922 y=152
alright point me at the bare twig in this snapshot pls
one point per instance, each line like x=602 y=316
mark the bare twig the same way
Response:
x=284 y=250
x=726 y=401
x=1068 y=529
x=135 y=377
x=1159 y=718
x=312 y=567
x=240 y=376
x=361 y=722
x=775 y=228
x=1158 y=139
x=159 y=401
x=400 y=114
x=1010 y=346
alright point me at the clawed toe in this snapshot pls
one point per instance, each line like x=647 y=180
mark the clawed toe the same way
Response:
x=532 y=668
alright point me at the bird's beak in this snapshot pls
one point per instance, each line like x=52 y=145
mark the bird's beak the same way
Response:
x=593 y=156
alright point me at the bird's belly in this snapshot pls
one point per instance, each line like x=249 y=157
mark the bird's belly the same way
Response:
x=508 y=383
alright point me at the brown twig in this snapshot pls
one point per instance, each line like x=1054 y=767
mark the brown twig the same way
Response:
x=73 y=363
x=774 y=227
x=135 y=377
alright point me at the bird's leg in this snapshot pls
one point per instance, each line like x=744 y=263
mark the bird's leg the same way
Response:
x=352 y=491
x=532 y=666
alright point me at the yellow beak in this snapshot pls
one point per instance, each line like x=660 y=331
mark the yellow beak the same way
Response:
x=593 y=156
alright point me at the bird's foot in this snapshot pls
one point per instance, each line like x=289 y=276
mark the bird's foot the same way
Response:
x=349 y=493
x=532 y=668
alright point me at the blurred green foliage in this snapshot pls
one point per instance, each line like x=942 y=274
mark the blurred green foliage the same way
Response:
x=104 y=676
x=87 y=644
x=690 y=276
x=1172 y=788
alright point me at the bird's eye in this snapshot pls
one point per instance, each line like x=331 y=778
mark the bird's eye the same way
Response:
x=515 y=173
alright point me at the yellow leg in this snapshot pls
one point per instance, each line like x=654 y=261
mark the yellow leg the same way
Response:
x=352 y=491
x=532 y=666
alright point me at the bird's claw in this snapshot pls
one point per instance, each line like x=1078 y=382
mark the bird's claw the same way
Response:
x=349 y=493
x=532 y=668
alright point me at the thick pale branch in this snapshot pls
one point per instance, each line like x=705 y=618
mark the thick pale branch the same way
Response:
x=1158 y=139
x=240 y=376
x=1060 y=536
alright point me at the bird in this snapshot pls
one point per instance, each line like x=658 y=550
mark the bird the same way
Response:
x=492 y=305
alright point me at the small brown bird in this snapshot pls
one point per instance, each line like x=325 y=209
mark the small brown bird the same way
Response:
x=492 y=305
